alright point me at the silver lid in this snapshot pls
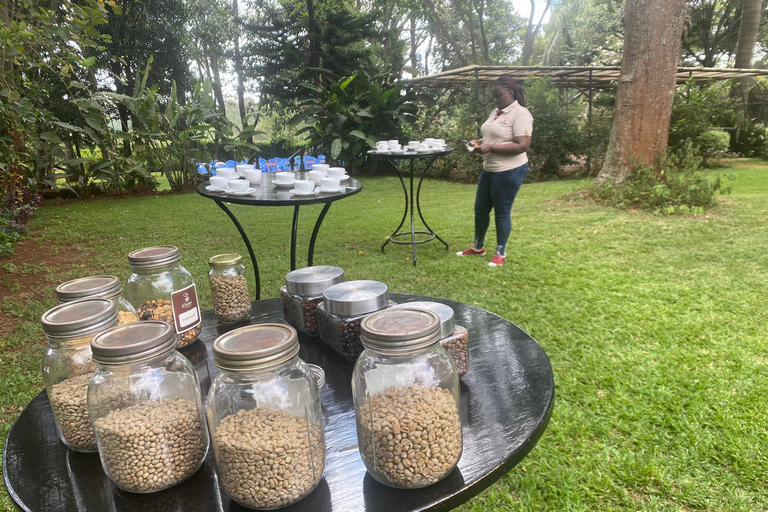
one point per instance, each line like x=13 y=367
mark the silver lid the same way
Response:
x=79 y=318
x=312 y=281
x=131 y=343
x=255 y=347
x=447 y=323
x=400 y=330
x=355 y=297
x=318 y=373
x=88 y=287
x=154 y=257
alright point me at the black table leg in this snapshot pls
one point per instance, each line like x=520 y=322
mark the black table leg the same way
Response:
x=405 y=212
x=247 y=245
x=418 y=203
x=293 y=236
x=413 y=229
x=311 y=254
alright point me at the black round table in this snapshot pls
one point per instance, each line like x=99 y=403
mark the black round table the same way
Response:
x=411 y=156
x=269 y=194
x=506 y=403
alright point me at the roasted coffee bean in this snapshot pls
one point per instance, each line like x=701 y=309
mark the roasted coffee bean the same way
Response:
x=457 y=347
x=162 y=309
x=231 y=300
x=69 y=402
x=414 y=432
x=301 y=312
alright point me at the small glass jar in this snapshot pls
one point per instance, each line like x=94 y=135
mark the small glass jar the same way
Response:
x=161 y=289
x=146 y=408
x=265 y=417
x=344 y=306
x=92 y=287
x=67 y=365
x=454 y=338
x=406 y=394
x=229 y=288
x=303 y=292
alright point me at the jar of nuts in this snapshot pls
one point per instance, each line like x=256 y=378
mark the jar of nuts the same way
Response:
x=344 y=306
x=265 y=417
x=146 y=408
x=229 y=287
x=161 y=289
x=454 y=338
x=406 y=394
x=303 y=292
x=108 y=287
x=67 y=365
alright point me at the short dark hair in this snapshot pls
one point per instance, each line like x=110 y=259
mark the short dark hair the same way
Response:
x=514 y=88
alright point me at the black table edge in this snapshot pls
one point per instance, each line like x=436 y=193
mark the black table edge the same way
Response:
x=15 y=497
x=298 y=201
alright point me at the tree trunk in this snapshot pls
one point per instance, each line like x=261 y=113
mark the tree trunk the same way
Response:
x=751 y=11
x=7 y=63
x=531 y=31
x=443 y=30
x=239 y=66
x=413 y=56
x=646 y=87
x=480 y=13
x=314 y=51
x=217 y=82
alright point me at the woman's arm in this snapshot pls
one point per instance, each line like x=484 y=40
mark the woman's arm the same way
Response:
x=519 y=144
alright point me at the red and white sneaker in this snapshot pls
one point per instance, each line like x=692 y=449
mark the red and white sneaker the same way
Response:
x=471 y=252
x=496 y=261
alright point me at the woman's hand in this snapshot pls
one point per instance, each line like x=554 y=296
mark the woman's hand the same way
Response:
x=483 y=149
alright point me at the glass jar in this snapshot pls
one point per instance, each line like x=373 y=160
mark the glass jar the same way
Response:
x=229 y=288
x=146 y=408
x=344 y=306
x=406 y=394
x=91 y=287
x=67 y=366
x=454 y=338
x=161 y=289
x=265 y=417
x=303 y=292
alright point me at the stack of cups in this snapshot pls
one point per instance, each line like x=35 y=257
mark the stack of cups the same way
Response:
x=382 y=146
x=318 y=172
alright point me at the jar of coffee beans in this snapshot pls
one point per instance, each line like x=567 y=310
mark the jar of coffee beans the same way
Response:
x=303 y=292
x=229 y=287
x=406 y=394
x=454 y=338
x=146 y=408
x=265 y=417
x=67 y=365
x=344 y=306
x=107 y=287
x=161 y=289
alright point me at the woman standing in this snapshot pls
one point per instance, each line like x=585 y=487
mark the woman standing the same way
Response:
x=506 y=137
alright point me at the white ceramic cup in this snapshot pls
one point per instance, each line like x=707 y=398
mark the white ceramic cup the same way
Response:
x=321 y=168
x=440 y=141
x=304 y=186
x=244 y=167
x=396 y=147
x=219 y=182
x=392 y=142
x=316 y=176
x=429 y=139
x=285 y=177
x=239 y=185
x=225 y=172
x=336 y=172
x=330 y=183
x=382 y=143
x=413 y=144
x=423 y=146
x=253 y=176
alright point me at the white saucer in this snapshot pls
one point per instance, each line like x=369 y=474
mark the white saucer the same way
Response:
x=424 y=150
x=211 y=188
x=297 y=193
x=241 y=192
x=280 y=184
x=330 y=191
x=343 y=178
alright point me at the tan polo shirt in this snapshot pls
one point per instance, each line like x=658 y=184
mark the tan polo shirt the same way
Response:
x=501 y=126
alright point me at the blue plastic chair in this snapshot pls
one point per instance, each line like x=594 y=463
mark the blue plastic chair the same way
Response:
x=262 y=165
x=231 y=163
x=320 y=159
x=219 y=164
x=202 y=169
x=273 y=166
x=308 y=161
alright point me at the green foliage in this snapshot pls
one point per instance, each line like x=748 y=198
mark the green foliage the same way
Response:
x=749 y=139
x=697 y=109
x=713 y=144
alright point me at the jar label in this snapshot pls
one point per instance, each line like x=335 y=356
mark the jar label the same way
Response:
x=186 y=313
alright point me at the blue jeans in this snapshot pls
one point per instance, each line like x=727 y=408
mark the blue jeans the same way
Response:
x=497 y=191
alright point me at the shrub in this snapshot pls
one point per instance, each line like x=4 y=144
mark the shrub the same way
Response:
x=749 y=139
x=713 y=144
x=697 y=109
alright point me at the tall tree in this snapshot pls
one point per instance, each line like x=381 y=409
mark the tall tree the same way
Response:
x=532 y=30
x=712 y=32
x=751 y=12
x=238 y=61
x=646 y=88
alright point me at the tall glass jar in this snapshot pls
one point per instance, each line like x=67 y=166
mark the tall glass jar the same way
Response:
x=265 y=417
x=303 y=293
x=406 y=394
x=146 y=408
x=229 y=287
x=161 y=289
x=454 y=338
x=91 y=287
x=67 y=365
x=344 y=306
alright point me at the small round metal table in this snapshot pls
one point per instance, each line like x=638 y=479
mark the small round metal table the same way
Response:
x=506 y=403
x=269 y=194
x=411 y=156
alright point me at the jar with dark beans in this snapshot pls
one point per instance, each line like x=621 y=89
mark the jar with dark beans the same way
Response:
x=301 y=312
x=302 y=293
x=342 y=334
x=456 y=345
x=161 y=309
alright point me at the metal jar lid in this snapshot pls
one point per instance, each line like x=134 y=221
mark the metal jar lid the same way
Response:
x=312 y=281
x=255 y=347
x=131 y=343
x=79 y=318
x=154 y=257
x=224 y=260
x=447 y=323
x=88 y=287
x=318 y=373
x=400 y=330
x=355 y=297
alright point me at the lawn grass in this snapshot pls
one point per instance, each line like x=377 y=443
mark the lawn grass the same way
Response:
x=655 y=325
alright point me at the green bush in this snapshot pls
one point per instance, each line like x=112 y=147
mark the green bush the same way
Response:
x=713 y=144
x=697 y=109
x=749 y=139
